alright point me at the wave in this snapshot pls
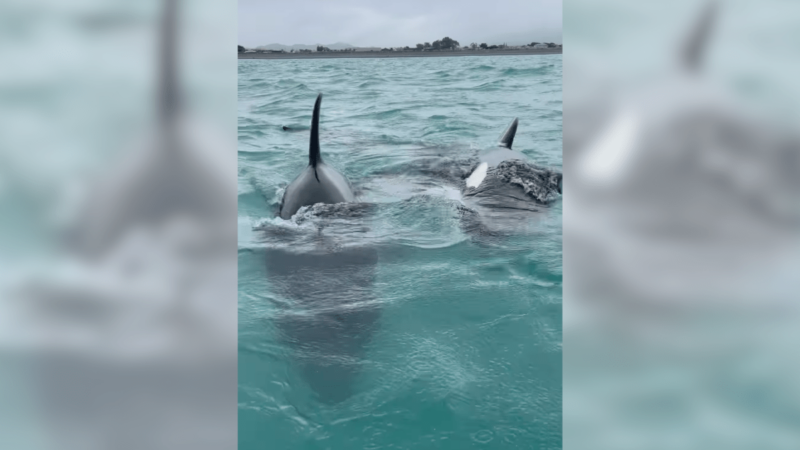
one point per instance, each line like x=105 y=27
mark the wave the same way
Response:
x=382 y=115
x=249 y=128
x=542 y=70
x=369 y=83
x=490 y=85
x=482 y=68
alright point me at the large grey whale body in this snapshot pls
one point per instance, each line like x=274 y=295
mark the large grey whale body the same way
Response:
x=318 y=182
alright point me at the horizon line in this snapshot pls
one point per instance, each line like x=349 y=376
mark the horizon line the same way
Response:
x=393 y=46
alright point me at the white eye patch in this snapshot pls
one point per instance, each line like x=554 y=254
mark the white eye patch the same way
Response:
x=478 y=175
x=606 y=160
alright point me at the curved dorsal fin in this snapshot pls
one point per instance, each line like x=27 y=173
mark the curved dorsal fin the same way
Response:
x=313 y=149
x=508 y=136
x=168 y=83
x=693 y=49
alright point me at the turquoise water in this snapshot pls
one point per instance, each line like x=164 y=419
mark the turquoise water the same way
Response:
x=402 y=321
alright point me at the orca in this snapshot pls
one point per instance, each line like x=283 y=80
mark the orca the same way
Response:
x=504 y=189
x=328 y=314
x=495 y=156
x=175 y=171
x=654 y=116
x=681 y=134
x=318 y=182
x=676 y=162
x=504 y=162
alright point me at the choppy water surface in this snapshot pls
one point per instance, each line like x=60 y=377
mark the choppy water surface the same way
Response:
x=409 y=319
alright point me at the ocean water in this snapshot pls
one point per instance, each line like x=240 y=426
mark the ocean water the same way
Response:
x=405 y=320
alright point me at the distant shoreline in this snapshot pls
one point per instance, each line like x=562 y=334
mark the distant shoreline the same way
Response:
x=401 y=54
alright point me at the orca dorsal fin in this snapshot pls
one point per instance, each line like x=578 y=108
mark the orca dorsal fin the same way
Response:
x=168 y=82
x=508 y=137
x=693 y=48
x=314 y=157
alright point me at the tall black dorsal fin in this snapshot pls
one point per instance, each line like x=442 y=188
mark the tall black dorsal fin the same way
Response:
x=313 y=148
x=508 y=136
x=696 y=41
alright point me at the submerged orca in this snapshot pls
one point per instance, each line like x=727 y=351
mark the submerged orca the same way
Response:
x=329 y=315
x=318 y=182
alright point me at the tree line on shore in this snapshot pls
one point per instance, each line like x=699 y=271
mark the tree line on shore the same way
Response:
x=445 y=43
x=450 y=44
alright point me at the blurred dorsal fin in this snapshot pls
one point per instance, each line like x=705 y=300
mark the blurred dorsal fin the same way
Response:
x=168 y=83
x=693 y=50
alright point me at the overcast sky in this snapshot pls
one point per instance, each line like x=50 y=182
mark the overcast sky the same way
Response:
x=392 y=24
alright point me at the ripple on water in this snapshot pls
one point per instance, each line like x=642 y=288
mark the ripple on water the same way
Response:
x=483 y=436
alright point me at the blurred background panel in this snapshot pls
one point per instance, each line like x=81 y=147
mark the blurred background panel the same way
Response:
x=118 y=224
x=681 y=225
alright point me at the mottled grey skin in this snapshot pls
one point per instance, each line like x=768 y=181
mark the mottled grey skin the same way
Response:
x=318 y=182
x=513 y=184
